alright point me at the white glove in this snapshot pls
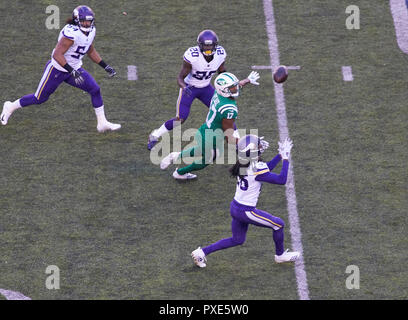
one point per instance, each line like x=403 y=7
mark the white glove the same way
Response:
x=264 y=145
x=253 y=76
x=284 y=148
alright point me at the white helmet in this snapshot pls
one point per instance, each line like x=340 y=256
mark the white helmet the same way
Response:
x=249 y=148
x=224 y=82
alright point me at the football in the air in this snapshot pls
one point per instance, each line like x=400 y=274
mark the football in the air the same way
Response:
x=280 y=74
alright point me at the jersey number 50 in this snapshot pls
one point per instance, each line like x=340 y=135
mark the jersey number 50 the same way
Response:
x=200 y=75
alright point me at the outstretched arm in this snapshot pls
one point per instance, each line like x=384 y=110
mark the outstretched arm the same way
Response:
x=284 y=153
x=274 y=178
x=252 y=78
x=274 y=162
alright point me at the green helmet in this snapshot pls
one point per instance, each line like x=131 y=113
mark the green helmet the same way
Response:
x=224 y=82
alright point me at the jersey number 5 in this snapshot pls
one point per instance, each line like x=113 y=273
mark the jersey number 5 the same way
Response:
x=80 y=50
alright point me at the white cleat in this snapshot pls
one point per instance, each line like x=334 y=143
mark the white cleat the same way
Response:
x=186 y=176
x=199 y=257
x=6 y=113
x=108 y=126
x=287 y=256
x=168 y=160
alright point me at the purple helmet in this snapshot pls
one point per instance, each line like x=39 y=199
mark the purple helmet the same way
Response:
x=207 y=41
x=249 y=148
x=82 y=14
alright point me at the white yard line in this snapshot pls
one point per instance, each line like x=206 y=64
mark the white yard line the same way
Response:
x=13 y=295
x=294 y=225
x=347 y=73
x=132 y=72
x=400 y=15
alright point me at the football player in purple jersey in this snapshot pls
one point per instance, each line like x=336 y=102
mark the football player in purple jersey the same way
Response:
x=250 y=173
x=74 y=41
x=200 y=63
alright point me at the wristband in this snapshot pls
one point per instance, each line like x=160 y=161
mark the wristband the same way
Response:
x=68 y=67
x=103 y=64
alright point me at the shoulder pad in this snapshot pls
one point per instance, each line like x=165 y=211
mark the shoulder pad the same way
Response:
x=69 y=31
x=221 y=51
x=261 y=166
x=191 y=54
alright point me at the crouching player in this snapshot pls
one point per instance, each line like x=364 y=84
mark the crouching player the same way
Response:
x=74 y=41
x=251 y=173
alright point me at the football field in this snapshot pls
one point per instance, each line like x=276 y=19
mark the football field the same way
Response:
x=118 y=227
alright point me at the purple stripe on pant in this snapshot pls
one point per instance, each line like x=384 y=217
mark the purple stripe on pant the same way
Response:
x=51 y=80
x=242 y=217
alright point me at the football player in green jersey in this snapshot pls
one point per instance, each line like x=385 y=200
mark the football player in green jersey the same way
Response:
x=219 y=124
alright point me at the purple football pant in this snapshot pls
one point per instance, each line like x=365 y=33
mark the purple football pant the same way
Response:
x=184 y=102
x=52 y=78
x=242 y=217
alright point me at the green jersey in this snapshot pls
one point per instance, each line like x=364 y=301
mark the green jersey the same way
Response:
x=210 y=136
x=220 y=108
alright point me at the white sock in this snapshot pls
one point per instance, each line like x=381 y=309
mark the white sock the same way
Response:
x=100 y=114
x=17 y=103
x=159 y=132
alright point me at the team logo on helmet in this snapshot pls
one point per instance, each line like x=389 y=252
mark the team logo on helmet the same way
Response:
x=221 y=82
x=225 y=82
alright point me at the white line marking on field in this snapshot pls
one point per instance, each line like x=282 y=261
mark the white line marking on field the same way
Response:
x=132 y=72
x=400 y=15
x=294 y=226
x=347 y=73
x=13 y=295
x=270 y=67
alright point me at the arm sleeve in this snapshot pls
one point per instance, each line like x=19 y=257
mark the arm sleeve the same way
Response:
x=274 y=178
x=274 y=162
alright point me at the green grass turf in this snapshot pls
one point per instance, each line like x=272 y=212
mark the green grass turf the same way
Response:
x=120 y=228
x=351 y=146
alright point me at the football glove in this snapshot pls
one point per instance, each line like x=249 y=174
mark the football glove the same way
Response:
x=264 y=145
x=79 y=80
x=253 y=76
x=284 y=148
x=110 y=71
